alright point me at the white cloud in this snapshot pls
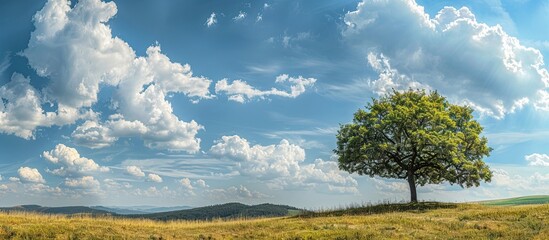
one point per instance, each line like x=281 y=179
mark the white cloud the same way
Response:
x=389 y=78
x=115 y=185
x=201 y=183
x=281 y=165
x=211 y=20
x=154 y=192
x=537 y=159
x=240 y=91
x=233 y=192
x=30 y=175
x=14 y=179
x=85 y=182
x=464 y=59
x=154 y=178
x=75 y=49
x=91 y=134
x=534 y=183
x=22 y=112
x=144 y=111
x=186 y=183
x=64 y=43
x=143 y=106
x=241 y=15
x=71 y=162
x=259 y=17
x=135 y=171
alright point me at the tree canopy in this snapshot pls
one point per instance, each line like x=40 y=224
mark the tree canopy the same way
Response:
x=416 y=136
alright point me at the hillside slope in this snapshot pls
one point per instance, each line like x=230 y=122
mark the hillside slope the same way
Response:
x=55 y=210
x=225 y=211
x=465 y=221
x=526 y=200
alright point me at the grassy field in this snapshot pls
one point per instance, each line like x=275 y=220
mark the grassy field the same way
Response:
x=542 y=199
x=400 y=221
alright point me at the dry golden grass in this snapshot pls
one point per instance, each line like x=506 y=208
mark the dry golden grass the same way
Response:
x=465 y=221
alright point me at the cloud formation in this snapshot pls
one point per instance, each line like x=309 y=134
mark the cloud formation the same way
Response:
x=234 y=192
x=240 y=91
x=212 y=20
x=241 y=15
x=30 y=175
x=65 y=41
x=71 y=162
x=85 y=182
x=135 y=171
x=537 y=159
x=281 y=165
x=154 y=178
x=452 y=53
x=21 y=110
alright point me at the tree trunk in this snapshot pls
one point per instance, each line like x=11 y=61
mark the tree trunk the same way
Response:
x=412 y=183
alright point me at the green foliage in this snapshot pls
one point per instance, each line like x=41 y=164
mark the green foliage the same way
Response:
x=416 y=136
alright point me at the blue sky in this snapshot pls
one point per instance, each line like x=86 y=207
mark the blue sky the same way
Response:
x=203 y=102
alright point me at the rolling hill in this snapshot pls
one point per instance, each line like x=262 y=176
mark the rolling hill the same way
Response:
x=225 y=211
x=417 y=221
x=55 y=210
x=126 y=210
x=526 y=200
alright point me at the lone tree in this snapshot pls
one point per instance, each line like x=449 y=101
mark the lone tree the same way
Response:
x=415 y=136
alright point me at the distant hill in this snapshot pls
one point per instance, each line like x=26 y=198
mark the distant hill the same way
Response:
x=225 y=211
x=126 y=210
x=121 y=211
x=56 y=210
x=526 y=200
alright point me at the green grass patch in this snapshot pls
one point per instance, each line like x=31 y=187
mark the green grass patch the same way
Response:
x=527 y=200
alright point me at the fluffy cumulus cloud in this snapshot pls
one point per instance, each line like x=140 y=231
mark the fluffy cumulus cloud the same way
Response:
x=143 y=109
x=71 y=162
x=64 y=43
x=135 y=171
x=537 y=159
x=21 y=109
x=74 y=48
x=30 y=175
x=240 y=91
x=518 y=184
x=452 y=53
x=282 y=165
x=201 y=183
x=93 y=135
x=85 y=182
x=154 y=178
x=186 y=183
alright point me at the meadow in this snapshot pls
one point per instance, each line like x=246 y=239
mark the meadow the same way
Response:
x=400 y=221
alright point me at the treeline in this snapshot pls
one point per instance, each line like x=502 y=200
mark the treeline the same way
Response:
x=222 y=211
